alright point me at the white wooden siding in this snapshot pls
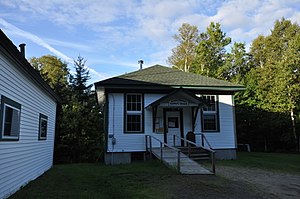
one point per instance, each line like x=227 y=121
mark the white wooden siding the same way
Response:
x=24 y=160
x=225 y=139
x=126 y=142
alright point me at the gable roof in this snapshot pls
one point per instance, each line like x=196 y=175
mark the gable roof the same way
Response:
x=158 y=75
x=22 y=64
x=179 y=95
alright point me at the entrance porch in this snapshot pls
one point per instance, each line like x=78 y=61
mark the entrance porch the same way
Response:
x=176 y=114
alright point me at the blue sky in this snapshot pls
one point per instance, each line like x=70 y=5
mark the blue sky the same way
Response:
x=114 y=34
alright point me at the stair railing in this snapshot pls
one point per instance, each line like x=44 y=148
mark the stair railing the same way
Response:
x=149 y=147
x=208 y=150
x=204 y=140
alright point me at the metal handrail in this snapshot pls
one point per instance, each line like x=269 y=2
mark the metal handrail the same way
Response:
x=204 y=139
x=162 y=144
x=193 y=143
x=212 y=152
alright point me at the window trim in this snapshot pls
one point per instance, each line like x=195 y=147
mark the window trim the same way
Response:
x=216 y=113
x=141 y=113
x=7 y=102
x=45 y=118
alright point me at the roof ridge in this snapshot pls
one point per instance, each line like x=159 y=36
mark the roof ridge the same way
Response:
x=166 y=76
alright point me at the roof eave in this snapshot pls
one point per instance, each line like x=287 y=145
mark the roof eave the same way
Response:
x=162 y=86
x=215 y=88
x=23 y=64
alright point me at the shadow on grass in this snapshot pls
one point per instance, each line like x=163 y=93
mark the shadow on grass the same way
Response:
x=137 y=180
x=281 y=162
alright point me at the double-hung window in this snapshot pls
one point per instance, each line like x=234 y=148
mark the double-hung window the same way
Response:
x=134 y=113
x=43 y=127
x=9 y=119
x=210 y=120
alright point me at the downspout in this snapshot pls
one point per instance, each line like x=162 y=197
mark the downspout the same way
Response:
x=113 y=142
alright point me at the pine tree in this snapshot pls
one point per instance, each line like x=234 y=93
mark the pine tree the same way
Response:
x=81 y=118
x=237 y=64
x=79 y=80
x=210 y=52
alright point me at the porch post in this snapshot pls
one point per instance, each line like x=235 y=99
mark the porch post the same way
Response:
x=150 y=140
x=194 y=116
x=178 y=161
x=161 y=152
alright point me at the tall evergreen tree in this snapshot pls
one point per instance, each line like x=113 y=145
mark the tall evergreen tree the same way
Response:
x=210 y=52
x=237 y=64
x=79 y=80
x=81 y=118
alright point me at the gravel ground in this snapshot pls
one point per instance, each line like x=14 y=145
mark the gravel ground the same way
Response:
x=209 y=187
x=274 y=184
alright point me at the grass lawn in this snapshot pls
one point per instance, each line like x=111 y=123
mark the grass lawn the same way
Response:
x=98 y=181
x=283 y=162
x=149 y=179
x=152 y=179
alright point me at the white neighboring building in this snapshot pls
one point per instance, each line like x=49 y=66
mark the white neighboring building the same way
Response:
x=162 y=102
x=27 y=120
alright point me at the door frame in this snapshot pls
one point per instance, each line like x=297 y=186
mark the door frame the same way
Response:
x=180 y=110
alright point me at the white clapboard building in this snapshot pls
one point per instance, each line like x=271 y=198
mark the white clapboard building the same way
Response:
x=162 y=102
x=27 y=120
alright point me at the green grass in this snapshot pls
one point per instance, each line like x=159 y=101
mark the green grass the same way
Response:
x=147 y=180
x=282 y=162
x=137 y=180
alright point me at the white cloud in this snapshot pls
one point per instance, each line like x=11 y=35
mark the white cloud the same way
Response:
x=69 y=12
x=144 y=28
x=157 y=20
x=16 y=31
x=77 y=46
x=244 y=20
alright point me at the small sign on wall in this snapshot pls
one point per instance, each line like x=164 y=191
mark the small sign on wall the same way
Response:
x=172 y=122
x=178 y=102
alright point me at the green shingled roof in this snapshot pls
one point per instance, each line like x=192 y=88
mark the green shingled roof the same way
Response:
x=166 y=76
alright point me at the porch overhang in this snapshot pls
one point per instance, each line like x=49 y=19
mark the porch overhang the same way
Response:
x=178 y=99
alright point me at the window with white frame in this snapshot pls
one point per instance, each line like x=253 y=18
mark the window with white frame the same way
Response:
x=210 y=120
x=134 y=113
x=43 y=125
x=9 y=119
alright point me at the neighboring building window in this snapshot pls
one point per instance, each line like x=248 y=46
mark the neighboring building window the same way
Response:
x=210 y=120
x=43 y=127
x=9 y=119
x=134 y=113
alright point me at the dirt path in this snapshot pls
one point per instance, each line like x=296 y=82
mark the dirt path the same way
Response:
x=276 y=184
x=209 y=187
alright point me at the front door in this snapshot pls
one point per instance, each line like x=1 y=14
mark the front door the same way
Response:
x=173 y=127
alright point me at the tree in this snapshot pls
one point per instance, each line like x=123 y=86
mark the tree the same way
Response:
x=210 y=52
x=55 y=72
x=184 y=54
x=278 y=70
x=81 y=118
x=78 y=81
x=237 y=64
x=258 y=51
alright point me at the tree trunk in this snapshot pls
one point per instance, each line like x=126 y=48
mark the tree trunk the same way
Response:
x=294 y=136
x=265 y=143
x=185 y=65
